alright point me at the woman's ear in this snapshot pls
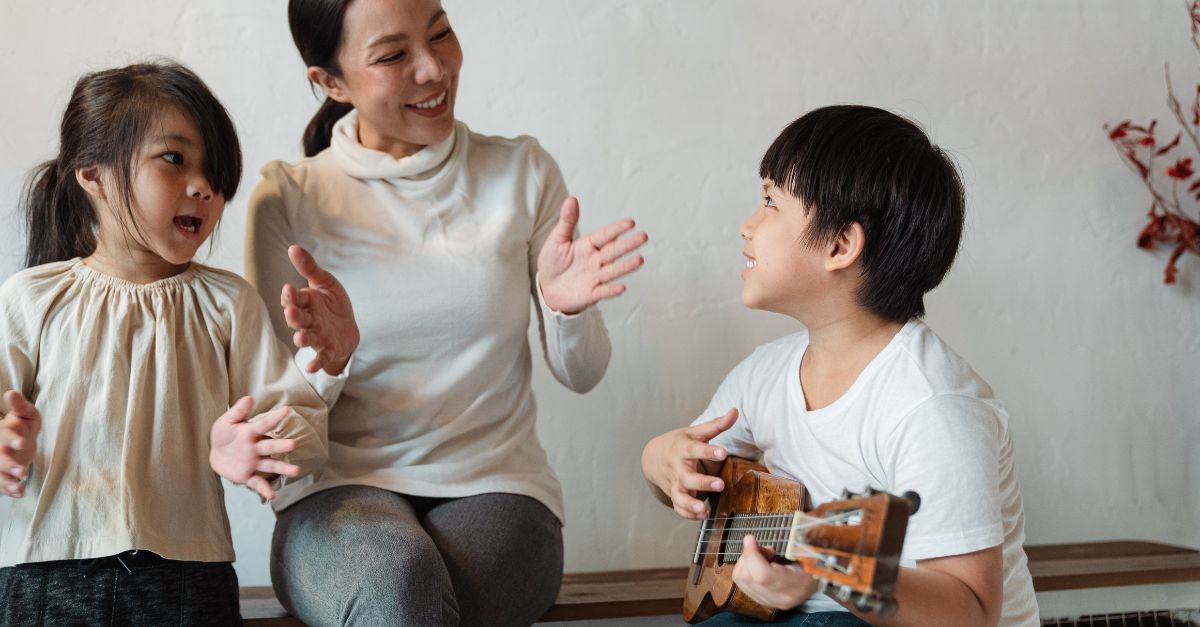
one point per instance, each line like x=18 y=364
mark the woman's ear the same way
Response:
x=847 y=248
x=92 y=181
x=330 y=84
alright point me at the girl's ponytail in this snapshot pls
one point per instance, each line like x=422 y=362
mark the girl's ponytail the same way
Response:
x=60 y=220
x=320 y=130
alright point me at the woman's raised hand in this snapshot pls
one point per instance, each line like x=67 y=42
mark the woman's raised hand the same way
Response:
x=578 y=273
x=320 y=314
x=18 y=443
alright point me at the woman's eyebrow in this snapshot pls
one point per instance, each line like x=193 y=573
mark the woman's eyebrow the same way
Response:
x=401 y=37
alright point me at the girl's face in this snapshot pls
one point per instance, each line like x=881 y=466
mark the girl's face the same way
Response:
x=399 y=62
x=173 y=203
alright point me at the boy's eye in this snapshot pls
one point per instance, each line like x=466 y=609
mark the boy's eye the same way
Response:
x=173 y=158
x=768 y=202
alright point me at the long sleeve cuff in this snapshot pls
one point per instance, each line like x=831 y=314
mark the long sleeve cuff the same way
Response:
x=326 y=385
x=577 y=345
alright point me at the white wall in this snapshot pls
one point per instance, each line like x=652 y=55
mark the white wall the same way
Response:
x=661 y=109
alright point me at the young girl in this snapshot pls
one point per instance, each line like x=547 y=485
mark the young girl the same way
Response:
x=119 y=354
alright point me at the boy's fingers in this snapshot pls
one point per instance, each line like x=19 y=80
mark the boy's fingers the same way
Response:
x=20 y=406
x=709 y=430
x=681 y=498
x=276 y=467
x=698 y=482
x=261 y=486
x=703 y=450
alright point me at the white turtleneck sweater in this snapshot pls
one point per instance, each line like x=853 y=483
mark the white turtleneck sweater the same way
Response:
x=438 y=252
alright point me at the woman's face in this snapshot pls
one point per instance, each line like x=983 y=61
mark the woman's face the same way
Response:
x=399 y=62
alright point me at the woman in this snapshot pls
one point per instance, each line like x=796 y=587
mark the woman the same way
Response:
x=437 y=505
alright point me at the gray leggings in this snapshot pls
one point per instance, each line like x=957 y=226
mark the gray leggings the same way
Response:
x=358 y=555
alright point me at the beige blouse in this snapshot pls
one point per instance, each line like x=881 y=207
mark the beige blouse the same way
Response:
x=129 y=379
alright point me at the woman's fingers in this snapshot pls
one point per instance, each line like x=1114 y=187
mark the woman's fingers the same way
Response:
x=621 y=247
x=614 y=271
x=611 y=232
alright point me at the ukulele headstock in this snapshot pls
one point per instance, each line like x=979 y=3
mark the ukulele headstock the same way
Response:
x=852 y=546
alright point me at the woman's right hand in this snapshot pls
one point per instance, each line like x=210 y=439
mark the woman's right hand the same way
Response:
x=673 y=463
x=320 y=314
x=18 y=443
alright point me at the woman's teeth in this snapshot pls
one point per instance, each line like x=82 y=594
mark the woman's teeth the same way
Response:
x=432 y=102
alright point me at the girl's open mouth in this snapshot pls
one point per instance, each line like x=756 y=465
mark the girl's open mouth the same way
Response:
x=188 y=224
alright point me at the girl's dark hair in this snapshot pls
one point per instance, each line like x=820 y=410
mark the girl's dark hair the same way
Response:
x=317 y=31
x=107 y=118
x=860 y=164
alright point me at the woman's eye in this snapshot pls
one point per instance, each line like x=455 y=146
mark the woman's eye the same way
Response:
x=442 y=35
x=173 y=158
x=392 y=57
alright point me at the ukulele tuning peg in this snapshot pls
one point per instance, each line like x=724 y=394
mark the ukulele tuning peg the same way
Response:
x=914 y=501
x=823 y=586
x=847 y=494
x=867 y=603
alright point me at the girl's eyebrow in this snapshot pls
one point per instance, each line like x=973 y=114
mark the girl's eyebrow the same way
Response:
x=178 y=139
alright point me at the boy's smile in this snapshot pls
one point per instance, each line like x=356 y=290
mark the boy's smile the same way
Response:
x=782 y=266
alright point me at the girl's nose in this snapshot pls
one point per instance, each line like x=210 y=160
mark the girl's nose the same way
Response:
x=201 y=191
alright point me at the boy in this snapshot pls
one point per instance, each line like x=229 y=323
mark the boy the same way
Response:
x=861 y=216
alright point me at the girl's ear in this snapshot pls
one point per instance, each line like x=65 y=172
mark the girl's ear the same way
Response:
x=330 y=84
x=847 y=248
x=92 y=181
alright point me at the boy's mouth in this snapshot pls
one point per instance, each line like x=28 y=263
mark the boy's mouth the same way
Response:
x=750 y=261
x=188 y=224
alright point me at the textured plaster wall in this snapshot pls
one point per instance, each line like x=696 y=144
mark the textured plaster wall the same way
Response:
x=661 y=110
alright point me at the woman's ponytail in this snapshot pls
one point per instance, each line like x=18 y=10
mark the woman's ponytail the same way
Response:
x=320 y=130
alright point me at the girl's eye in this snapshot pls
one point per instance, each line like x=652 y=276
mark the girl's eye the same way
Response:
x=173 y=158
x=442 y=35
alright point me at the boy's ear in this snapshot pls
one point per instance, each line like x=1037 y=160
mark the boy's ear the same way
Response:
x=847 y=248
x=330 y=84
x=92 y=181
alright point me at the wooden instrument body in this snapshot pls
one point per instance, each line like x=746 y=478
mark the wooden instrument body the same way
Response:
x=749 y=489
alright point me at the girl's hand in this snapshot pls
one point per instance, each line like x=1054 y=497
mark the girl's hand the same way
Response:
x=242 y=454
x=576 y=274
x=782 y=586
x=320 y=314
x=672 y=462
x=18 y=443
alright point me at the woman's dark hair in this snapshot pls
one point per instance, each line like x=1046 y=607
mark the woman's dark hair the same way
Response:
x=107 y=118
x=317 y=31
x=860 y=164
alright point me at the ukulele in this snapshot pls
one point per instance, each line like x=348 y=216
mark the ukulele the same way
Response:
x=851 y=546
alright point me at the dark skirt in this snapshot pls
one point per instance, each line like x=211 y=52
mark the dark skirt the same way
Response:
x=132 y=588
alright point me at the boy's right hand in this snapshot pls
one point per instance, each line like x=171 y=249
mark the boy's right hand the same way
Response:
x=674 y=463
x=18 y=443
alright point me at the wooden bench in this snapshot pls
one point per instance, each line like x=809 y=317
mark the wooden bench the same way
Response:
x=659 y=591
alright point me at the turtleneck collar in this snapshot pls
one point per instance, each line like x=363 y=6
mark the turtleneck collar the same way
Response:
x=364 y=163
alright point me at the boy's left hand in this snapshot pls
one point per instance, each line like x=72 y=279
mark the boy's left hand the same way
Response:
x=320 y=314
x=241 y=452
x=782 y=586
x=578 y=273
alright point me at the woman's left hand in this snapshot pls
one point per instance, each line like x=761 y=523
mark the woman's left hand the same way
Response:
x=578 y=273
x=320 y=314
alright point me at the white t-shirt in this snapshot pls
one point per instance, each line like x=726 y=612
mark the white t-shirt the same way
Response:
x=917 y=418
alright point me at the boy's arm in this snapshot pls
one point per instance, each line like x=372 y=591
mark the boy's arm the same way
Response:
x=957 y=590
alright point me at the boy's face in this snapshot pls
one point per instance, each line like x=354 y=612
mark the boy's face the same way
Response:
x=783 y=272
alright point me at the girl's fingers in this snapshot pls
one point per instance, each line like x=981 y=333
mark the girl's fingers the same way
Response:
x=261 y=486
x=19 y=405
x=276 y=467
x=274 y=446
x=268 y=421
x=239 y=412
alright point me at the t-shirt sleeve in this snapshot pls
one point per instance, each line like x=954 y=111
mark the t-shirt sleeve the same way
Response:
x=261 y=367
x=733 y=392
x=947 y=450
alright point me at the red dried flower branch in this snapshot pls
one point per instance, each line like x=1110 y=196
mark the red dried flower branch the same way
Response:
x=1139 y=148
